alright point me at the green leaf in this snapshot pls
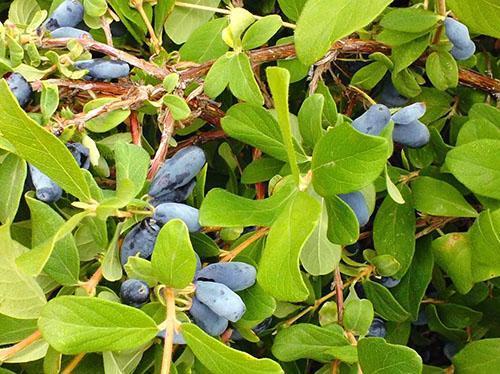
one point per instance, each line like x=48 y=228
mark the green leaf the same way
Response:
x=95 y=8
x=111 y=265
x=49 y=100
x=12 y=177
x=442 y=70
x=132 y=163
x=368 y=76
x=221 y=208
x=261 y=170
x=392 y=189
x=107 y=121
x=221 y=359
x=377 y=356
x=39 y=147
x=22 y=11
x=406 y=54
x=477 y=166
x=161 y=11
x=182 y=22
x=174 y=261
x=288 y=234
x=343 y=226
x=139 y=268
x=322 y=22
x=482 y=21
x=261 y=31
x=330 y=112
x=394 y=230
x=242 y=81
x=321 y=344
x=64 y=263
x=73 y=324
x=476 y=129
x=122 y=362
x=485 y=239
x=178 y=106
x=412 y=20
x=279 y=80
x=411 y=290
x=205 y=43
x=436 y=324
x=259 y=305
x=406 y=83
x=218 y=76
x=292 y=8
x=384 y=303
x=358 y=315
x=478 y=357
x=319 y=255
x=34 y=261
x=21 y=295
x=345 y=160
x=13 y=330
x=438 y=198
x=255 y=126
x=453 y=253
x=310 y=115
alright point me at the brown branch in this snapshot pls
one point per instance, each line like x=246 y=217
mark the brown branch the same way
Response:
x=201 y=138
x=168 y=123
x=135 y=128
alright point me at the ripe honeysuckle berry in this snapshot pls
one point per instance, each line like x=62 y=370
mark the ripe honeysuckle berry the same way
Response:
x=389 y=282
x=70 y=32
x=409 y=114
x=134 y=292
x=20 y=88
x=80 y=153
x=457 y=32
x=177 y=171
x=178 y=195
x=374 y=120
x=357 y=203
x=389 y=95
x=377 y=328
x=140 y=240
x=237 y=276
x=220 y=299
x=206 y=319
x=463 y=53
x=68 y=14
x=46 y=189
x=103 y=68
x=178 y=338
x=168 y=211
x=414 y=134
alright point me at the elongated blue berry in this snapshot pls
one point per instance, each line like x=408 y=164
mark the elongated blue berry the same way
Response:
x=134 y=292
x=46 y=189
x=390 y=96
x=168 y=211
x=357 y=203
x=68 y=13
x=414 y=135
x=103 y=68
x=208 y=321
x=463 y=53
x=178 y=195
x=457 y=32
x=80 y=153
x=236 y=275
x=221 y=300
x=177 y=171
x=140 y=240
x=70 y=32
x=377 y=328
x=374 y=120
x=389 y=282
x=178 y=338
x=20 y=88
x=409 y=114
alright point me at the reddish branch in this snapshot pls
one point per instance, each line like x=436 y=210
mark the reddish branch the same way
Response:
x=135 y=128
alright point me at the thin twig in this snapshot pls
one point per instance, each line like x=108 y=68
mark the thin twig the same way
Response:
x=135 y=128
x=441 y=5
x=107 y=31
x=168 y=123
x=229 y=256
x=91 y=285
x=7 y=353
x=339 y=287
x=170 y=328
x=73 y=363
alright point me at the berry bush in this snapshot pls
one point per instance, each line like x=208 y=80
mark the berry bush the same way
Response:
x=249 y=186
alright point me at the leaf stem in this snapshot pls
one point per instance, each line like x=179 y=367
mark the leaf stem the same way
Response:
x=364 y=94
x=73 y=363
x=90 y=285
x=223 y=11
x=339 y=287
x=229 y=256
x=154 y=40
x=7 y=353
x=441 y=5
x=169 y=336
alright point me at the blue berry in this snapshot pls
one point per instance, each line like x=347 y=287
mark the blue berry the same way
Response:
x=208 y=321
x=221 y=300
x=46 y=189
x=357 y=203
x=103 y=69
x=389 y=282
x=463 y=53
x=20 y=88
x=374 y=120
x=409 y=114
x=69 y=13
x=178 y=338
x=168 y=211
x=70 y=32
x=80 y=153
x=140 y=240
x=421 y=319
x=134 y=292
x=457 y=32
x=177 y=171
x=178 y=195
x=390 y=96
x=236 y=275
x=414 y=135
x=377 y=328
